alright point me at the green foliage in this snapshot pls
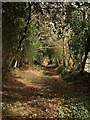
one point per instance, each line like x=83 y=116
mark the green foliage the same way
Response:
x=14 y=19
x=8 y=109
x=60 y=69
x=30 y=50
x=13 y=22
x=74 y=109
x=57 y=53
x=68 y=76
x=78 y=35
x=48 y=33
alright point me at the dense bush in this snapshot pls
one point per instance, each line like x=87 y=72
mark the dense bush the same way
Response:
x=69 y=76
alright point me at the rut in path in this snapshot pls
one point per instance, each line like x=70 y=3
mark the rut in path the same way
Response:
x=34 y=93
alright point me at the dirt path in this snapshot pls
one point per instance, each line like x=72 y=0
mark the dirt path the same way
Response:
x=37 y=93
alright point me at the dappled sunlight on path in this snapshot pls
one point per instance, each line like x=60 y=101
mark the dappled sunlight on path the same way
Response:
x=34 y=93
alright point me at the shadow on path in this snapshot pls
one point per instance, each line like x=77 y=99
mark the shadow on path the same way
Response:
x=41 y=96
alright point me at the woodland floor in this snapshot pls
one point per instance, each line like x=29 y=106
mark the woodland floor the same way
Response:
x=35 y=93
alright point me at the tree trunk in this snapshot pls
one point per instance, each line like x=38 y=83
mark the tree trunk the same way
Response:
x=84 y=61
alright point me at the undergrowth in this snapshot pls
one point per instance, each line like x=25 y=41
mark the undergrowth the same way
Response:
x=74 y=109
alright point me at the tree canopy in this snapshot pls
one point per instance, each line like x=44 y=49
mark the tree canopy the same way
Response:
x=36 y=31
